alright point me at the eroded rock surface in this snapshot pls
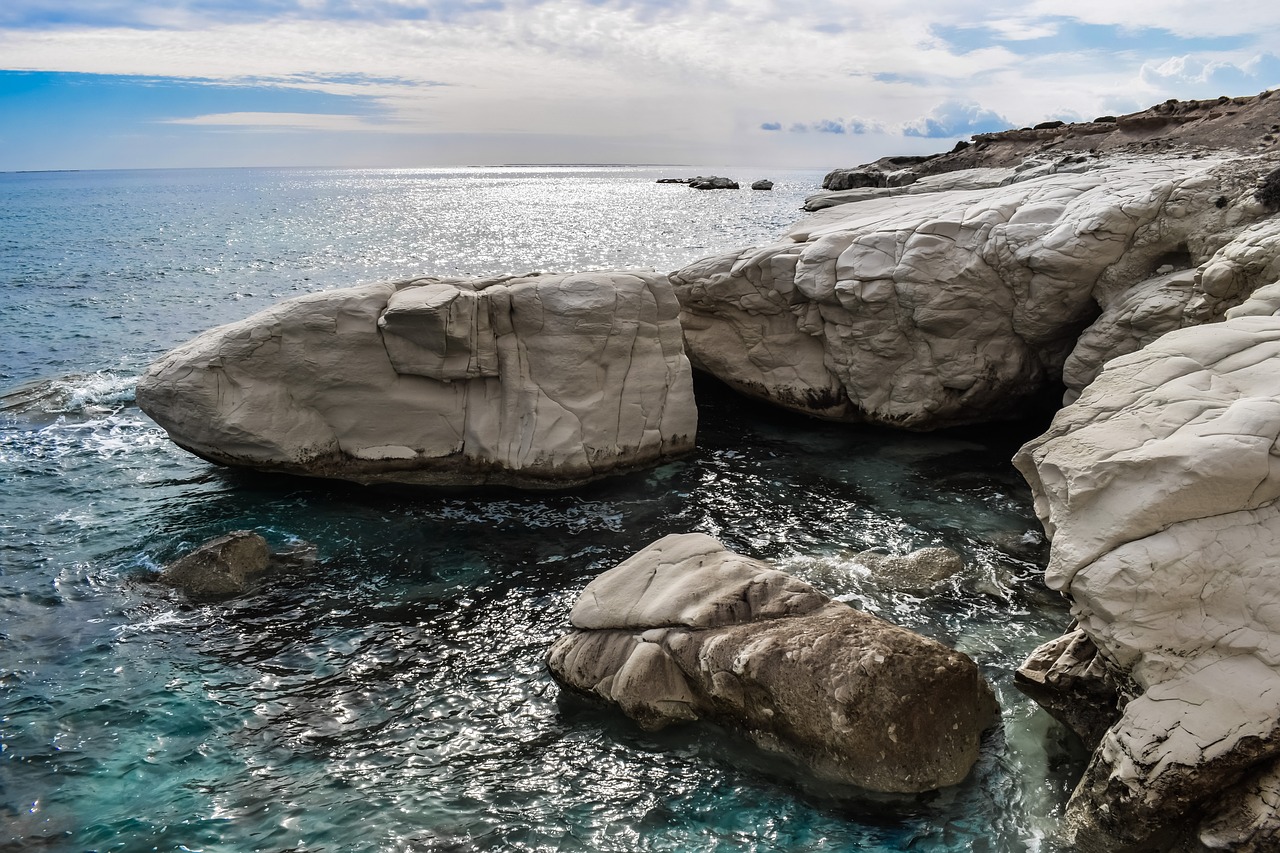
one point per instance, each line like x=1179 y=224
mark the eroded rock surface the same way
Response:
x=1159 y=490
x=532 y=381
x=686 y=630
x=941 y=308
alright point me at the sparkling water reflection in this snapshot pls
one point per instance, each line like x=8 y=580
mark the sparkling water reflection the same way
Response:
x=393 y=697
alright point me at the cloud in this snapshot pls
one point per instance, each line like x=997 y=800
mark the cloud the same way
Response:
x=1196 y=76
x=771 y=125
x=835 y=126
x=956 y=118
x=284 y=121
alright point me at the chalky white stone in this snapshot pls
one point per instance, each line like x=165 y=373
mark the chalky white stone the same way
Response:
x=537 y=381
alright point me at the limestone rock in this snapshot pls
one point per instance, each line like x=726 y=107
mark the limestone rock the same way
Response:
x=918 y=570
x=762 y=184
x=1159 y=490
x=686 y=630
x=539 y=381
x=224 y=566
x=1070 y=680
x=932 y=309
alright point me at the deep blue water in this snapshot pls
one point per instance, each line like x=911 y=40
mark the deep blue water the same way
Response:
x=393 y=698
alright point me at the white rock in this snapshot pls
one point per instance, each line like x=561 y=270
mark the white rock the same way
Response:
x=939 y=308
x=533 y=381
x=1158 y=488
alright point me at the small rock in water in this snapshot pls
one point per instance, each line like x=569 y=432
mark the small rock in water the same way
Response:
x=713 y=182
x=763 y=184
x=223 y=567
x=915 y=571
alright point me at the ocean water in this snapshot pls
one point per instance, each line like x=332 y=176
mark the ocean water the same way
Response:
x=393 y=697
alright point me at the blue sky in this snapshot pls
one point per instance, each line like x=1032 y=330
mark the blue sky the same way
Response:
x=136 y=83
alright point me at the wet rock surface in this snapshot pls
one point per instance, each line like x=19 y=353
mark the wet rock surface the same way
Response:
x=686 y=630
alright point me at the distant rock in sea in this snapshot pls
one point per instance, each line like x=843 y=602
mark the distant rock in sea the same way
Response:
x=762 y=184
x=687 y=630
x=537 y=381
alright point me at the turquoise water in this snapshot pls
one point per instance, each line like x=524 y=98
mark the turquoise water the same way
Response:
x=393 y=697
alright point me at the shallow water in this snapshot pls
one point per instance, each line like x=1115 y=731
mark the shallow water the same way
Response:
x=393 y=697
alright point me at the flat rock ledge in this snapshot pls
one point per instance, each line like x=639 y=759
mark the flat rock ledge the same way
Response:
x=537 y=381
x=686 y=630
x=1159 y=488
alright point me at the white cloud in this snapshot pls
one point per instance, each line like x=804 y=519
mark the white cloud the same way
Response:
x=285 y=121
x=1197 y=76
x=704 y=75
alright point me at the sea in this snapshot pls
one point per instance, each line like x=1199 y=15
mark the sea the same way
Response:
x=394 y=696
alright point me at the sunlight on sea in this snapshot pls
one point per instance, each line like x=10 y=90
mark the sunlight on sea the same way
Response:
x=394 y=697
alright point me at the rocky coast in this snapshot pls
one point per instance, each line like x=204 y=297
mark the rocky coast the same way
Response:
x=1128 y=267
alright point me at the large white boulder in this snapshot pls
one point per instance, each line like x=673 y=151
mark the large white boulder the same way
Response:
x=931 y=309
x=1159 y=490
x=687 y=630
x=543 y=380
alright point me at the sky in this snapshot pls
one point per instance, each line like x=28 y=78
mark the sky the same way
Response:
x=96 y=84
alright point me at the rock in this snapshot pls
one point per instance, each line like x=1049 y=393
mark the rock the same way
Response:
x=918 y=570
x=686 y=630
x=1159 y=490
x=1071 y=681
x=713 y=183
x=535 y=381
x=224 y=566
x=763 y=184
x=852 y=179
x=673 y=180
x=932 y=309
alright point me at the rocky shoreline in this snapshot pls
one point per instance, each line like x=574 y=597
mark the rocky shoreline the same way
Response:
x=1133 y=262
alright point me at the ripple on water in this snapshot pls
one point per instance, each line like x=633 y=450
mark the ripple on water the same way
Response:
x=393 y=696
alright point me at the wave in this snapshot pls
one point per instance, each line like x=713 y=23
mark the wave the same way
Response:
x=85 y=394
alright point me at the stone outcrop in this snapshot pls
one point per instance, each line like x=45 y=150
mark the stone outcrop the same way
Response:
x=536 y=381
x=1181 y=295
x=933 y=309
x=762 y=184
x=226 y=565
x=686 y=630
x=1159 y=490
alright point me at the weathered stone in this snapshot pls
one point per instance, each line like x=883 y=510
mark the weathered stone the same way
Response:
x=538 y=381
x=686 y=630
x=1070 y=680
x=763 y=184
x=931 y=309
x=1159 y=488
x=220 y=567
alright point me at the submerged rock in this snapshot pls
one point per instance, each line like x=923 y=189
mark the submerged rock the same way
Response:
x=225 y=566
x=1159 y=489
x=687 y=630
x=918 y=570
x=939 y=308
x=537 y=381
